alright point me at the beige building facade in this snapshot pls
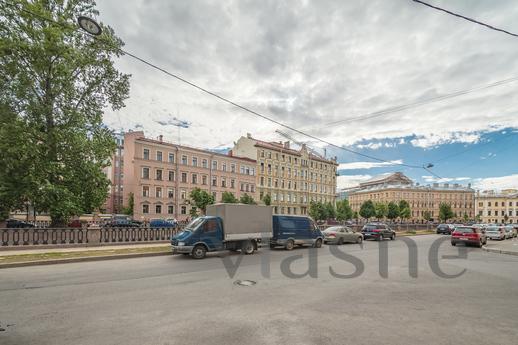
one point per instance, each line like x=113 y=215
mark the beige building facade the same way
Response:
x=422 y=199
x=161 y=176
x=293 y=178
x=494 y=207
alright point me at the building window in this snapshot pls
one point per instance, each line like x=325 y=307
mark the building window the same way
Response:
x=184 y=210
x=184 y=160
x=183 y=194
x=215 y=195
x=194 y=179
x=223 y=182
x=158 y=209
x=170 y=209
x=170 y=193
x=158 y=192
x=159 y=156
x=145 y=173
x=214 y=165
x=233 y=169
x=204 y=180
x=224 y=166
x=146 y=154
x=170 y=176
x=145 y=191
x=194 y=161
x=232 y=183
x=145 y=209
x=184 y=177
x=159 y=174
x=171 y=157
x=214 y=181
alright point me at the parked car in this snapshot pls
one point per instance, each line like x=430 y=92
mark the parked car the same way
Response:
x=341 y=235
x=289 y=231
x=495 y=232
x=15 y=223
x=378 y=231
x=469 y=235
x=510 y=231
x=123 y=223
x=161 y=223
x=445 y=229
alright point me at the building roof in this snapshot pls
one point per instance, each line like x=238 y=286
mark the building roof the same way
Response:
x=387 y=178
x=281 y=148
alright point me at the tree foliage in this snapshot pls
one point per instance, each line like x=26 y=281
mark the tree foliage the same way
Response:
x=427 y=215
x=392 y=210
x=54 y=86
x=131 y=205
x=247 y=199
x=343 y=210
x=267 y=199
x=445 y=211
x=229 y=198
x=367 y=209
x=404 y=209
x=381 y=210
x=201 y=199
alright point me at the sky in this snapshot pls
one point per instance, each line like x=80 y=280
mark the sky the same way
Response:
x=332 y=69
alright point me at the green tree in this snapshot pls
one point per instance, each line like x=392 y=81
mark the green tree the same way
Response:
x=229 y=198
x=343 y=210
x=367 y=209
x=193 y=212
x=356 y=216
x=381 y=210
x=392 y=210
x=405 y=213
x=247 y=199
x=57 y=82
x=427 y=215
x=131 y=205
x=267 y=199
x=201 y=199
x=466 y=218
x=330 y=211
x=445 y=212
x=317 y=210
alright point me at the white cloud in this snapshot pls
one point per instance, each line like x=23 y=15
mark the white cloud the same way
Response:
x=371 y=146
x=348 y=181
x=431 y=140
x=497 y=183
x=367 y=165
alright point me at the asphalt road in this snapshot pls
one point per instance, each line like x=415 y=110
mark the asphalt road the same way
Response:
x=178 y=300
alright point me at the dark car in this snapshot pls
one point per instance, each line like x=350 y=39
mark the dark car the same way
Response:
x=162 y=223
x=378 y=231
x=123 y=223
x=15 y=223
x=469 y=235
x=445 y=229
x=289 y=231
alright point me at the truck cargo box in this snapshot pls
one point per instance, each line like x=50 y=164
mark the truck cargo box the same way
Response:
x=242 y=221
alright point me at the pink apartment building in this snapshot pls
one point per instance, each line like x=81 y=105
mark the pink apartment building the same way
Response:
x=161 y=176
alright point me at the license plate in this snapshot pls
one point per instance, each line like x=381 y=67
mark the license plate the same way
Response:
x=464 y=238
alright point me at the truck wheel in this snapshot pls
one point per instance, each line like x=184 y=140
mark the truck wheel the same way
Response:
x=248 y=248
x=289 y=245
x=318 y=243
x=199 y=251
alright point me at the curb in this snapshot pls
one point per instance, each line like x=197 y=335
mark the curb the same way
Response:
x=499 y=251
x=84 y=259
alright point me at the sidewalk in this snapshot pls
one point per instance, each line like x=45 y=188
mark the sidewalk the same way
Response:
x=30 y=257
x=509 y=247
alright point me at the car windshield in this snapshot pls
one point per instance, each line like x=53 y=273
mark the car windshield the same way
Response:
x=492 y=228
x=333 y=229
x=193 y=224
x=464 y=230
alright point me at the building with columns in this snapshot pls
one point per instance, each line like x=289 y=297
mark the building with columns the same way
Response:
x=292 y=177
x=422 y=198
x=161 y=175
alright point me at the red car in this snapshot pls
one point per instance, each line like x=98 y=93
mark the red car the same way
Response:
x=469 y=235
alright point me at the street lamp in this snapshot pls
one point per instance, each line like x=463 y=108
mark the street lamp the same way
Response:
x=89 y=25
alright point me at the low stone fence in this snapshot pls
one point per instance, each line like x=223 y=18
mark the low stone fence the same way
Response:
x=71 y=237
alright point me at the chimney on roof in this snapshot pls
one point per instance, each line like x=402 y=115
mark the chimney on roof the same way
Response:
x=303 y=148
x=230 y=153
x=249 y=136
x=286 y=144
x=469 y=185
x=160 y=138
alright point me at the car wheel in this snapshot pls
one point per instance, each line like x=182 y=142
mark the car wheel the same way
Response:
x=479 y=244
x=272 y=246
x=393 y=237
x=199 y=251
x=248 y=248
x=453 y=244
x=340 y=241
x=359 y=240
x=318 y=243
x=289 y=245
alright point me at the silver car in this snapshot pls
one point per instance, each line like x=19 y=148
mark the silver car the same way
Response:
x=494 y=232
x=510 y=231
x=341 y=235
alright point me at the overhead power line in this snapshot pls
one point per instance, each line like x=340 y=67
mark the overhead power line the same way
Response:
x=466 y=18
x=213 y=94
